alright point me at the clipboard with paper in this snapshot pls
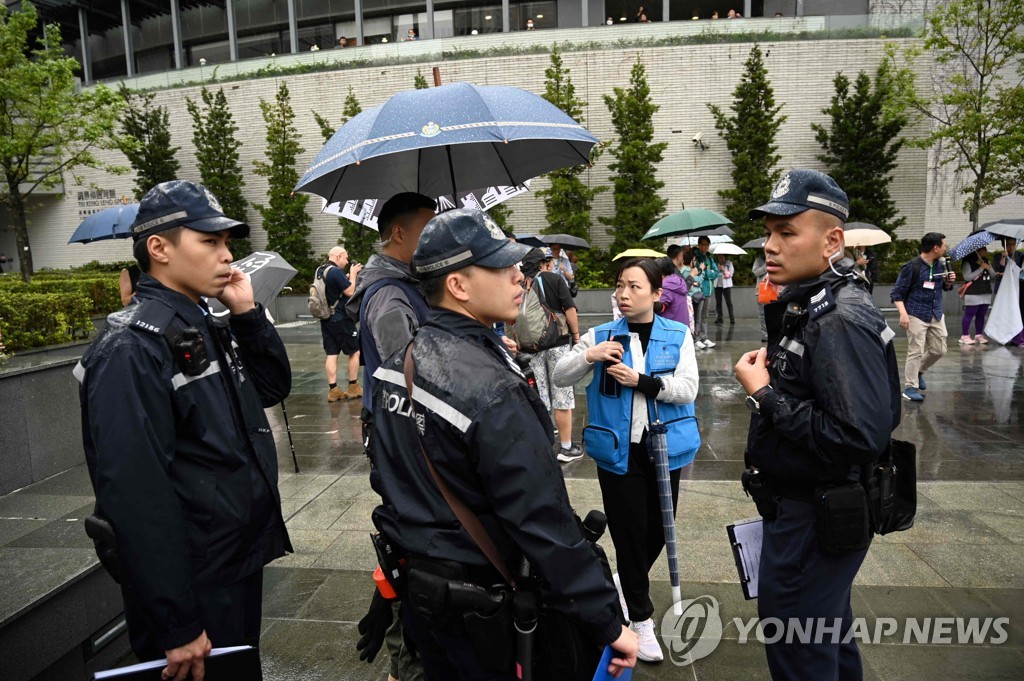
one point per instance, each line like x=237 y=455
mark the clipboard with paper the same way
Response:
x=745 y=540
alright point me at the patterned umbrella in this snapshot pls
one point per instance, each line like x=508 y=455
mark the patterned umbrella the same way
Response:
x=443 y=140
x=971 y=244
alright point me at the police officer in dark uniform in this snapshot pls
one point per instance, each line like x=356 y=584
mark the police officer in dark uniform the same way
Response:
x=488 y=434
x=825 y=398
x=181 y=455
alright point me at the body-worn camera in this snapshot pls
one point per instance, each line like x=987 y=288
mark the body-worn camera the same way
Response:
x=190 y=352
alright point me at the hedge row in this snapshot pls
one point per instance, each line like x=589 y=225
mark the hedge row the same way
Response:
x=30 y=320
x=101 y=291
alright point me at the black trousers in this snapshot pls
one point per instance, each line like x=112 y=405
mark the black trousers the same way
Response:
x=447 y=655
x=798 y=583
x=230 y=616
x=634 y=520
x=727 y=292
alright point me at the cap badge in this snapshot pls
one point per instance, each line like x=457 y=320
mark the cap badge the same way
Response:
x=781 y=188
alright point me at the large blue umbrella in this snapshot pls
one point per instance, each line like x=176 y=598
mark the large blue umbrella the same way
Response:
x=971 y=244
x=447 y=139
x=110 y=223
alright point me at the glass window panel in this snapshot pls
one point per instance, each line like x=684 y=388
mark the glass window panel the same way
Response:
x=543 y=14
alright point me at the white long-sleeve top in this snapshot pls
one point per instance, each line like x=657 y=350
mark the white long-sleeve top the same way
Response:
x=679 y=388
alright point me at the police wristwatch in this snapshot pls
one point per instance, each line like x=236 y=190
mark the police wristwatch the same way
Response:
x=753 y=401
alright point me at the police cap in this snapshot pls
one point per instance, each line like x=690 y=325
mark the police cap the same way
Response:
x=181 y=203
x=804 y=189
x=460 y=238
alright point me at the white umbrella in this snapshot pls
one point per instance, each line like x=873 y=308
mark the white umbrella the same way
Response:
x=865 y=237
x=727 y=249
x=692 y=240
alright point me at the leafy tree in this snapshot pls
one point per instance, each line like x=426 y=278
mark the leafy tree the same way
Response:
x=635 y=185
x=749 y=135
x=975 y=101
x=359 y=241
x=861 y=146
x=48 y=129
x=146 y=141
x=420 y=82
x=502 y=215
x=284 y=216
x=567 y=202
x=214 y=134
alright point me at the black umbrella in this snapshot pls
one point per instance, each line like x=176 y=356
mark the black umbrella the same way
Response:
x=529 y=240
x=573 y=243
x=269 y=273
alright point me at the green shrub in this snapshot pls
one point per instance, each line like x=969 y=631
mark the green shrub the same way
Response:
x=29 y=320
x=103 y=293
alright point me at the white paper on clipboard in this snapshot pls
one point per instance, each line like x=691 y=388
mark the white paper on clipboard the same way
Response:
x=745 y=537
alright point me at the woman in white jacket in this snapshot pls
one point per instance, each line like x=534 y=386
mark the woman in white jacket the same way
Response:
x=636 y=361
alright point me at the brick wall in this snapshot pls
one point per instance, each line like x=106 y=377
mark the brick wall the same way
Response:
x=682 y=79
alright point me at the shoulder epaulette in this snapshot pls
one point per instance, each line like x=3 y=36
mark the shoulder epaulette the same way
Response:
x=152 y=317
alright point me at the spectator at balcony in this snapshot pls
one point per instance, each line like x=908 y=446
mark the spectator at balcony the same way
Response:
x=640 y=12
x=733 y=14
x=341 y=43
x=714 y=15
x=643 y=19
x=609 y=22
x=411 y=35
x=529 y=25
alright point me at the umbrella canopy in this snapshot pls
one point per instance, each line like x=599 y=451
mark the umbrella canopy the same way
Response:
x=366 y=211
x=446 y=139
x=269 y=273
x=573 y=243
x=1013 y=228
x=727 y=249
x=755 y=243
x=110 y=223
x=868 y=235
x=971 y=244
x=686 y=221
x=692 y=240
x=529 y=240
x=639 y=253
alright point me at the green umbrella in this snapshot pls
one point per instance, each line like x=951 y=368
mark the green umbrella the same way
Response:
x=685 y=222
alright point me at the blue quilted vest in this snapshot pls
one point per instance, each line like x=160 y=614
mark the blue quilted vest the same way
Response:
x=607 y=434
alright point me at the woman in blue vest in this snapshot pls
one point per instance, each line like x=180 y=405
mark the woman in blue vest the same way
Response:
x=636 y=360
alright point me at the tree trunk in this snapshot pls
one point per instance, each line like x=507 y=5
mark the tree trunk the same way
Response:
x=17 y=204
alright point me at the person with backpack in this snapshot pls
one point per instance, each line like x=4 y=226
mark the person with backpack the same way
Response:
x=339 y=333
x=554 y=297
x=917 y=294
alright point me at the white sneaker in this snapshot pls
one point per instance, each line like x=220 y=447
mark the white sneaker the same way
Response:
x=650 y=649
x=622 y=599
x=708 y=344
x=699 y=345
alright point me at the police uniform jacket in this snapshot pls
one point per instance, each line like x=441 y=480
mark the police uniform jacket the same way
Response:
x=489 y=436
x=836 y=397
x=184 y=467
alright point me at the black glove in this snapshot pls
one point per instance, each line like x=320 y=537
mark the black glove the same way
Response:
x=373 y=626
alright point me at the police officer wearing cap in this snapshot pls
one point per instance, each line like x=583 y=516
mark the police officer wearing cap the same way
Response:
x=825 y=398
x=181 y=455
x=488 y=435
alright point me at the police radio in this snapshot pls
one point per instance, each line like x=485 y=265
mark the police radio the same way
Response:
x=189 y=351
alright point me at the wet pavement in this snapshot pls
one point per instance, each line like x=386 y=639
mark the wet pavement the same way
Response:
x=963 y=559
